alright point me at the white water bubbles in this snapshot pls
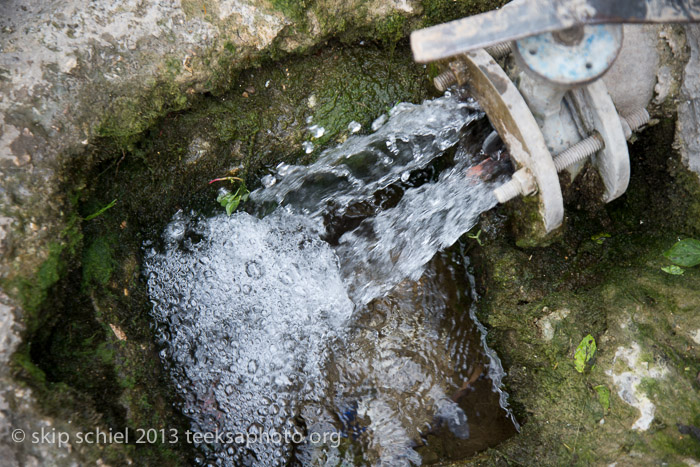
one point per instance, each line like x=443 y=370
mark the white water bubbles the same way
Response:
x=408 y=139
x=397 y=243
x=247 y=311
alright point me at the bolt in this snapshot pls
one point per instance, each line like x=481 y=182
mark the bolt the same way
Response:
x=634 y=121
x=448 y=77
x=594 y=143
x=499 y=50
x=444 y=80
x=578 y=152
x=522 y=183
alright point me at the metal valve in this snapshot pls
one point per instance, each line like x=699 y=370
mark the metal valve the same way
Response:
x=559 y=113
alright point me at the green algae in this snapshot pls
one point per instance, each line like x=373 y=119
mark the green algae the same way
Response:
x=98 y=262
x=613 y=290
x=440 y=11
x=357 y=83
x=294 y=9
x=130 y=115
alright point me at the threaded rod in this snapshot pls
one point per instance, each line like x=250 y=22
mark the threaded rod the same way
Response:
x=447 y=78
x=592 y=144
x=637 y=119
x=509 y=190
x=499 y=50
x=578 y=152
x=444 y=80
x=522 y=183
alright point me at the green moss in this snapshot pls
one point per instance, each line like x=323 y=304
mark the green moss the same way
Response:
x=649 y=386
x=129 y=115
x=268 y=125
x=614 y=290
x=98 y=262
x=672 y=443
x=527 y=225
x=294 y=9
x=228 y=46
x=33 y=292
x=22 y=362
x=391 y=29
x=441 y=11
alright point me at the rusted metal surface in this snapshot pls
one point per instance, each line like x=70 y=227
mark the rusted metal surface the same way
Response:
x=523 y=18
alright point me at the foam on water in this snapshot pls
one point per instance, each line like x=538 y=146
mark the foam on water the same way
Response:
x=267 y=328
x=246 y=311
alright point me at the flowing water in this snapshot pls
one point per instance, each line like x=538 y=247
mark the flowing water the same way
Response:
x=330 y=331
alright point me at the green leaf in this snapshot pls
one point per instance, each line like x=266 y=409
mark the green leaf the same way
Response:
x=232 y=205
x=685 y=253
x=603 y=396
x=673 y=269
x=600 y=238
x=584 y=353
x=230 y=201
x=95 y=214
x=476 y=237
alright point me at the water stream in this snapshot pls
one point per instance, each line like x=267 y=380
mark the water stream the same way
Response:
x=331 y=331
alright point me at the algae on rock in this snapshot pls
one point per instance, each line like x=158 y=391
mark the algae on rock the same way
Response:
x=539 y=304
x=148 y=113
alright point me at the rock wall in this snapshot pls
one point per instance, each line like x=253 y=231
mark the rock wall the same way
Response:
x=85 y=89
x=143 y=101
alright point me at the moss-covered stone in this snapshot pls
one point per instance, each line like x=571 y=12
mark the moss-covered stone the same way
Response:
x=602 y=277
x=440 y=11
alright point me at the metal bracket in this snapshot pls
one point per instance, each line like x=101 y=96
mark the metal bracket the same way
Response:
x=596 y=108
x=559 y=106
x=523 y=18
x=512 y=118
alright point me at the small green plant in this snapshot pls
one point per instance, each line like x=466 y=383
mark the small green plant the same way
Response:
x=685 y=253
x=584 y=353
x=673 y=270
x=600 y=238
x=476 y=237
x=231 y=199
x=101 y=210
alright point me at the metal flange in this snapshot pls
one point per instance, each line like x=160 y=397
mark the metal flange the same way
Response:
x=571 y=57
x=512 y=118
x=598 y=114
